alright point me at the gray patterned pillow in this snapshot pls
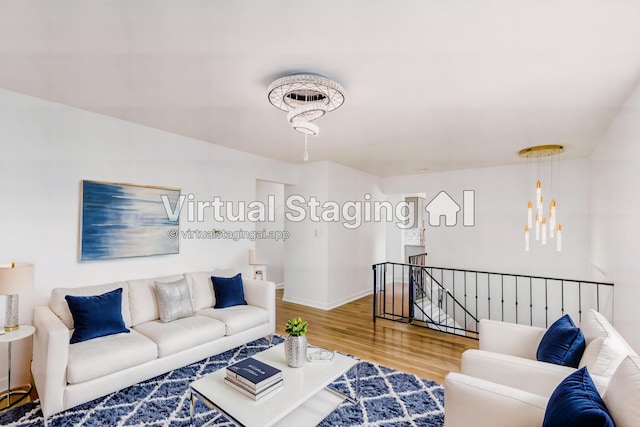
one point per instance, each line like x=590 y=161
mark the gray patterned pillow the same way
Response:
x=174 y=300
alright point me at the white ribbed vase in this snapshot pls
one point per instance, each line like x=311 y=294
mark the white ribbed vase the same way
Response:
x=295 y=350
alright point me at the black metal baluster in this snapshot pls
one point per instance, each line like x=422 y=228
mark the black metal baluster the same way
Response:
x=546 y=305
x=530 y=303
x=516 y=283
x=502 y=294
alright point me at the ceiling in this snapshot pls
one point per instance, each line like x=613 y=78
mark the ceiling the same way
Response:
x=430 y=84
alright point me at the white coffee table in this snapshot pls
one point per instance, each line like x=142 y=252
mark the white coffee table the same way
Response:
x=303 y=399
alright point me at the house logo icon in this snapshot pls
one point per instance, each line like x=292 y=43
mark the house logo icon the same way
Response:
x=443 y=205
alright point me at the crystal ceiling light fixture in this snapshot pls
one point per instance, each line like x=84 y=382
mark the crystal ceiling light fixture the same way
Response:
x=542 y=222
x=305 y=97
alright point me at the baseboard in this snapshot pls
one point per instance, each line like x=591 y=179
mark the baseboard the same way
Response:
x=350 y=298
x=330 y=306
x=307 y=303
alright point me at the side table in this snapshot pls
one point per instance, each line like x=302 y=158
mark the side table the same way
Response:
x=24 y=331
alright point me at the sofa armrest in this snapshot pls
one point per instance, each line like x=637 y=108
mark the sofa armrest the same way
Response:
x=475 y=402
x=261 y=294
x=510 y=338
x=50 y=357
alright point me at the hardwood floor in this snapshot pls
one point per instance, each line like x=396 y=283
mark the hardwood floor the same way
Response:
x=350 y=329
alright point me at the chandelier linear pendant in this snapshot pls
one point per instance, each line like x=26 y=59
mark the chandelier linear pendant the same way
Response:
x=546 y=227
x=305 y=97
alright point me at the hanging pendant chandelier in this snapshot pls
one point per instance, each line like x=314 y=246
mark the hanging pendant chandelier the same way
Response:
x=546 y=227
x=305 y=97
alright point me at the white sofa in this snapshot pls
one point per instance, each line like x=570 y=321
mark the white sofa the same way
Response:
x=67 y=375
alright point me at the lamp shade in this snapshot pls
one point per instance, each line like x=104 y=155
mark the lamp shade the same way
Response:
x=15 y=278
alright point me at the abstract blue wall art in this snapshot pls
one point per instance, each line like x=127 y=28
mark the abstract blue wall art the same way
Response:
x=125 y=220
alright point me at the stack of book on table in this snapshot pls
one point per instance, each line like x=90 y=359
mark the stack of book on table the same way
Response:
x=253 y=378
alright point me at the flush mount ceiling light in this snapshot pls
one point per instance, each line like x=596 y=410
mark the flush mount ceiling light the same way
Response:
x=305 y=97
x=297 y=90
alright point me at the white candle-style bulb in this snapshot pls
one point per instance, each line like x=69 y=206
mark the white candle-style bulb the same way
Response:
x=544 y=231
x=552 y=219
x=559 y=238
x=539 y=196
x=526 y=238
x=529 y=215
x=537 y=227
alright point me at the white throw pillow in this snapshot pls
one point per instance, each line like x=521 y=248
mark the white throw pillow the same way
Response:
x=605 y=347
x=594 y=325
x=623 y=393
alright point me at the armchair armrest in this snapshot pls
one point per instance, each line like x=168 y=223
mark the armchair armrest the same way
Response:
x=510 y=338
x=536 y=377
x=475 y=402
x=261 y=294
x=50 y=357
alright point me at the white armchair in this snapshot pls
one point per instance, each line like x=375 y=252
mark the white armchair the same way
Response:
x=477 y=402
x=507 y=355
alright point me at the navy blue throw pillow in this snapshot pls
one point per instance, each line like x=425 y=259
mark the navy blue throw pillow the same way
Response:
x=96 y=316
x=228 y=291
x=577 y=403
x=562 y=344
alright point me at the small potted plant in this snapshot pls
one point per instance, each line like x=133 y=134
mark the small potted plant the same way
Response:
x=295 y=345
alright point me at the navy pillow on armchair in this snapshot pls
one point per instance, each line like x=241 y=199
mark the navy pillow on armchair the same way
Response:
x=562 y=344
x=96 y=316
x=577 y=403
x=228 y=290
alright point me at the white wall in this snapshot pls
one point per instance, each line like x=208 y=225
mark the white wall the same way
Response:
x=306 y=251
x=327 y=264
x=271 y=251
x=615 y=225
x=496 y=241
x=352 y=252
x=46 y=149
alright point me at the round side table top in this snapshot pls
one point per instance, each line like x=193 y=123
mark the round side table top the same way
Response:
x=23 y=332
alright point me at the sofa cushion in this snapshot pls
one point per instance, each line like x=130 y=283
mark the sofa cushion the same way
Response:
x=181 y=334
x=238 y=318
x=143 y=302
x=105 y=355
x=229 y=291
x=623 y=394
x=174 y=300
x=60 y=306
x=562 y=344
x=576 y=403
x=96 y=316
x=202 y=287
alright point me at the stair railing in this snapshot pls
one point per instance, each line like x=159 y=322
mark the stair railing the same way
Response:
x=453 y=300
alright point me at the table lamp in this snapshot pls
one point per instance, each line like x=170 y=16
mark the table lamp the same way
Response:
x=14 y=278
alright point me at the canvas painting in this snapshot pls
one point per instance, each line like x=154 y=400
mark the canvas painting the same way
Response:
x=125 y=220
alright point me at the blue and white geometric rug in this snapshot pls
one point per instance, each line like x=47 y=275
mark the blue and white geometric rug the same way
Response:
x=387 y=398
